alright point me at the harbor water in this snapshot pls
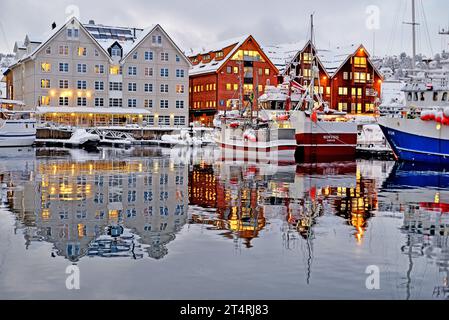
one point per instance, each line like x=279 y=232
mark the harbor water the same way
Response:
x=181 y=223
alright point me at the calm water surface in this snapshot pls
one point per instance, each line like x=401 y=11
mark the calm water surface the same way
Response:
x=181 y=224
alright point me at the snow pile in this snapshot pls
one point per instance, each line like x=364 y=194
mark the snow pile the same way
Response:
x=81 y=136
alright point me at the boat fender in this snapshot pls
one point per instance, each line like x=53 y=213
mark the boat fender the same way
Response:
x=439 y=117
x=446 y=112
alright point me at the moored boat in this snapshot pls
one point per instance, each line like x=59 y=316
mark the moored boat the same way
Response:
x=17 y=128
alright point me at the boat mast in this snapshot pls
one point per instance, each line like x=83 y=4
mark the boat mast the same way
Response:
x=312 y=81
x=413 y=24
x=414 y=33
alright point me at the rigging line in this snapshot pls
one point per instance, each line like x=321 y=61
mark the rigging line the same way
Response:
x=394 y=25
x=427 y=27
x=402 y=26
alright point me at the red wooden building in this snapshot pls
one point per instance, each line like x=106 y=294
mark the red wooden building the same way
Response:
x=226 y=76
x=348 y=79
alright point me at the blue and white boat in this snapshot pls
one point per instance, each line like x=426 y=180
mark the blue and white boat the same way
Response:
x=413 y=136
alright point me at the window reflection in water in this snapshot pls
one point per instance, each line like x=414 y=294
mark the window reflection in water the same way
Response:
x=74 y=204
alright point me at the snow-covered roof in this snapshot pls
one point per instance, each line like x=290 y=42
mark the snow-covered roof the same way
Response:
x=214 y=65
x=333 y=59
x=282 y=54
x=105 y=36
x=85 y=110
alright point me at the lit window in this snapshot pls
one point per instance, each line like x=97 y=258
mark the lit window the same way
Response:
x=342 y=91
x=228 y=86
x=267 y=72
x=82 y=51
x=236 y=86
x=179 y=88
x=114 y=70
x=45 y=84
x=236 y=70
x=46 y=67
x=99 y=69
x=44 y=100
x=360 y=62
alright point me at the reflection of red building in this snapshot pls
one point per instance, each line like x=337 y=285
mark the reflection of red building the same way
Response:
x=349 y=80
x=202 y=187
x=225 y=72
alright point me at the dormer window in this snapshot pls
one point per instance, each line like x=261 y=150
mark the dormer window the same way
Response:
x=116 y=52
x=219 y=55
x=206 y=57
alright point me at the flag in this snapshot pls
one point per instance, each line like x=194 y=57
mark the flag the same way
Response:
x=314 y=116
x=297 y=86
x=288 y=102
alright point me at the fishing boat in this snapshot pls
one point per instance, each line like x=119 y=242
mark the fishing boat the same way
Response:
x=420 y=133
x=258 y=140
x=262 y=136
x=322 y=134
x=17 y=128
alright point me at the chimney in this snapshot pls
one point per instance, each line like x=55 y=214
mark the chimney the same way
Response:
x=53 y=26
x=134 y=32
x=91 y=22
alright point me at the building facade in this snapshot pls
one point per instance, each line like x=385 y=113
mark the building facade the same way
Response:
x=226 y=76
x=104 y=70
x=348 y=80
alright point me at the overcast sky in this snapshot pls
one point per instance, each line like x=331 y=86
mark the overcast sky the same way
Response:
x=194 y=23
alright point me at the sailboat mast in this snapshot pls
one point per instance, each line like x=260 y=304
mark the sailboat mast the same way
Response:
x=414 y=33
x=312 y=81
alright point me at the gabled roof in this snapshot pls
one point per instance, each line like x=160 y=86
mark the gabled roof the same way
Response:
x=282 y=54
x=216 y=65
x=334 y=59
x=213 y=65
x=56 y=31
x=144 y=35
x=331 y=60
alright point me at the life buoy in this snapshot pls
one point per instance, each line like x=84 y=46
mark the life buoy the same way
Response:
x=234 y=125
x=283 y=117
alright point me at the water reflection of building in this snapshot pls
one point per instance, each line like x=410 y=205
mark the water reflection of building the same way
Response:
x=202 y=186
x=247 y=195
x=239 y=194
x=74 y=202
x=339 y=188
x=235 y=191
x=427 y=228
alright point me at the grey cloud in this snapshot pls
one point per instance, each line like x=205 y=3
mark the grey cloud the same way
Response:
x=195 y=23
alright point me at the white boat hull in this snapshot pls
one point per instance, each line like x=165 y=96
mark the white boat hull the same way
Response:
x=17 y=133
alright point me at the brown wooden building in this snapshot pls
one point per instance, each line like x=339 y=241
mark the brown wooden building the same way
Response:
x=226 y=76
